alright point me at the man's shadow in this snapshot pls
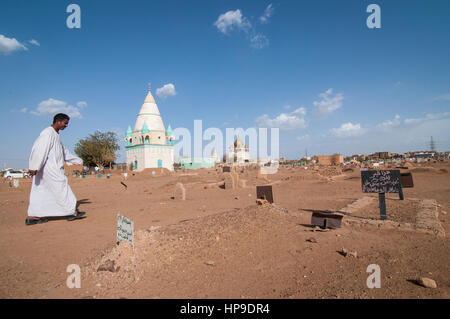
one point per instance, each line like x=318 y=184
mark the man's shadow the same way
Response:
x=79 y=202
x=82 y=201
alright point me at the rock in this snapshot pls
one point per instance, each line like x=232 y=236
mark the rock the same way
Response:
x=312 y=240
x=210 y=263
x=344 y=252
x=427 y=282
x=353 y=254
x=261 y=201
x=180 y=192
x=108 y=266
x=236 y=197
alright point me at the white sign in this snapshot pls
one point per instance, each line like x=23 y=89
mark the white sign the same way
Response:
x=125 y=230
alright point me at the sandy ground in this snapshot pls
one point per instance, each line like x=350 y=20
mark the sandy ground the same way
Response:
x=218 y=243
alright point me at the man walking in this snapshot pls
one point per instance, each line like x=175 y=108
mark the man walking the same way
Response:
x=50 y=194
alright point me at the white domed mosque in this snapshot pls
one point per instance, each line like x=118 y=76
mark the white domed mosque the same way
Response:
x=239 y=153
x=149 y=145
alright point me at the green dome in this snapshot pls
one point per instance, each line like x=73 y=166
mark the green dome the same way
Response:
x=129 y=131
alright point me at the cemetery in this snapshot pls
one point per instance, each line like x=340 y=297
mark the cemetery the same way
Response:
x=234 y=232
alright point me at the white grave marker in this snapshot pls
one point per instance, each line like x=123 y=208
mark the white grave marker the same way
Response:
x=125 y=230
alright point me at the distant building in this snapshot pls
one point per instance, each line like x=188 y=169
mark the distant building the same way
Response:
x=334 y=159
x=196 y=163
x=379 y=155
x=238 y=154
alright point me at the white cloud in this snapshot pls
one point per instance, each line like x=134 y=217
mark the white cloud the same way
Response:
x=81 y=104
x=267 y=14
x=8 y=45
x=284 y=121
x=53 y=106
x=33 y=41
x=443 y=97
x=303 y=137
x=428 y=117
x=24 y=110
x=348 y=130
x=327 y=104
x=234 y=20
x=231 y=20
x=259 y=41
x=166 y=90
x=390 y=123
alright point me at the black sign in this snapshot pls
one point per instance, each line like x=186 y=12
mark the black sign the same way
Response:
x=406 y=179
x=264 y=192
x=226 y=169
x=380 y=181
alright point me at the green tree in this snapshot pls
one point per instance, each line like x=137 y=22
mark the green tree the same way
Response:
x=98 y=149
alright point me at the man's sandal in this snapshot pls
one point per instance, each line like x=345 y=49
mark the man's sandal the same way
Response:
x=77 y=216
x=30 y=221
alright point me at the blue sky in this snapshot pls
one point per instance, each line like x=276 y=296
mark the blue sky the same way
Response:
x=312 y=68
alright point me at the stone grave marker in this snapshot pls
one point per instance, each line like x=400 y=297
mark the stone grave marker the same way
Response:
x=407 y=182
x=326 y=219
x=229 y=181
x=180 y=192
x=264 y=192
x=125 y=230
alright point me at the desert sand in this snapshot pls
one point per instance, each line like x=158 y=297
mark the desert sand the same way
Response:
x=219 y=243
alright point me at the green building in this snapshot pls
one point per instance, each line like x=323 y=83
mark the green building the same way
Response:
x=196 y=163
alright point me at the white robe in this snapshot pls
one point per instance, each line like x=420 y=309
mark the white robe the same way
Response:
x=50 y=192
